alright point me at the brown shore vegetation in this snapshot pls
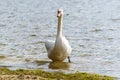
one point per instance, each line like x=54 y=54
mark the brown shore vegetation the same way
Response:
x=21 y=74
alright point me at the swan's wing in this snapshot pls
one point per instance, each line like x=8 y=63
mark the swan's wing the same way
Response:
x=68 y=47
x=49 y=45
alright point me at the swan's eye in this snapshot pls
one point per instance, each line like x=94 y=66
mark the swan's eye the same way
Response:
x=59 y=11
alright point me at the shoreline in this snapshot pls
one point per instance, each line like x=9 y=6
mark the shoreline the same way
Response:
x=37 y=74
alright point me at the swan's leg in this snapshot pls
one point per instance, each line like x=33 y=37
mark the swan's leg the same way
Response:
x=69 y=59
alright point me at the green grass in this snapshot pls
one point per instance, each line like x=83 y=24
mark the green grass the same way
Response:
x=56 y=75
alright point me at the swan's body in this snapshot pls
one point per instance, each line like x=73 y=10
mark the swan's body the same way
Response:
x=60 y=49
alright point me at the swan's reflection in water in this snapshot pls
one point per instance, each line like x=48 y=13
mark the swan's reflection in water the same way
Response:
x=59 y=65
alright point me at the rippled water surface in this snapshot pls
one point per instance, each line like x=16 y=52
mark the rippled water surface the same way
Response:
x=91 y=26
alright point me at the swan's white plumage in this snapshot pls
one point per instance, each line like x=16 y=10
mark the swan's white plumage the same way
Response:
x=60 y=49
x=49 y=45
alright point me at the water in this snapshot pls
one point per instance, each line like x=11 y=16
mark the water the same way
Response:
x=91 y=26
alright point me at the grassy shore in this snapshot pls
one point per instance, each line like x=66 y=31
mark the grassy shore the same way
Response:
x=6 y=74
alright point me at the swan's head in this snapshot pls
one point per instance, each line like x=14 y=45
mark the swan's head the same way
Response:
x=59 y=13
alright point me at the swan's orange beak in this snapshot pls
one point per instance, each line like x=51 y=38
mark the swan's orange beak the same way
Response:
x=58 y=14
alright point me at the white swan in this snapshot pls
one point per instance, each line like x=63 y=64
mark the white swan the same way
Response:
x=61 y=49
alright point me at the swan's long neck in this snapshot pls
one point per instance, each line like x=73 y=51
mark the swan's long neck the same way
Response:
x=59 y=30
